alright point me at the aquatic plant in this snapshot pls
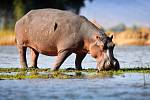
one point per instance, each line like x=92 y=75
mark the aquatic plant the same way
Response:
x=46 y=73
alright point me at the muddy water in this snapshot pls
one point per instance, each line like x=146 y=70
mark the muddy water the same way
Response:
x=128 y=56
x=129 y=86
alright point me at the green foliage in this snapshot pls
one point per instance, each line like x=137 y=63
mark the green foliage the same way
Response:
x=19 y=9
x=12 y=10
x=17 y=73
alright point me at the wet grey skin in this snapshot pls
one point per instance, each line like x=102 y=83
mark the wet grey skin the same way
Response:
x=60 y=33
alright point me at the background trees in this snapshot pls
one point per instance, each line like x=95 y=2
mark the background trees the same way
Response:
x=12 y=10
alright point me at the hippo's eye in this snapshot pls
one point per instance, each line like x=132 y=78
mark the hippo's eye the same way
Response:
x=97 y=37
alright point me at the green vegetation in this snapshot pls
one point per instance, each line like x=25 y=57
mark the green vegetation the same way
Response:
x=19 y=73
x=19 y=9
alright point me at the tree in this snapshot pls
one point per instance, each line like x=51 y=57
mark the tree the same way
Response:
x=12 y=10
x=73 y=5
x=5 y=12
x=19 y=9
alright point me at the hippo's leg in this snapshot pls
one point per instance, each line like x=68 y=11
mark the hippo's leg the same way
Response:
x=78 y=60
x=61 y=58
x=34 y=58
x=22 y=55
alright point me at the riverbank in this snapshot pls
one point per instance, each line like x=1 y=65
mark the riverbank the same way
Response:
x=140 y=36
x=7 y=37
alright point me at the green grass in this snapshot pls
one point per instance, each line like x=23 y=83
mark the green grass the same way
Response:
x=46 y=73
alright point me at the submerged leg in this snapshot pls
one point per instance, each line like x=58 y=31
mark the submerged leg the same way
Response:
x=78 y=60
x=60 y=59
x=22 y=55
x=34 y=58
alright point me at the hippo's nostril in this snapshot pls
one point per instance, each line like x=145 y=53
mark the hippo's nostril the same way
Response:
x=107 y=63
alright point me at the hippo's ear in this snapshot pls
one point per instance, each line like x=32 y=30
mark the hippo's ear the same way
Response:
x=111 y=37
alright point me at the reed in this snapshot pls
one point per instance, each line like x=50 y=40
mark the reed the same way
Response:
x=7 y=37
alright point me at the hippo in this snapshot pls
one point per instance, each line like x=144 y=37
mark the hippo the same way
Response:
x=54 y=32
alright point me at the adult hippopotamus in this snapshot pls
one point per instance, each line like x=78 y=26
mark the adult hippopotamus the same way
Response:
x=60 y=33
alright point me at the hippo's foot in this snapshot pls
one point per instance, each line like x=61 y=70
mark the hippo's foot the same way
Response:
x=33 y=67
x=79 y=68
x=70 y=69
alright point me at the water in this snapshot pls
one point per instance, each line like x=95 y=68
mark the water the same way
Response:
x=128 y=56
x=127 y=86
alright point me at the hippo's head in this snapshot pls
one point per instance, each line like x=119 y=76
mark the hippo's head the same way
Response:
x=102 y=51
